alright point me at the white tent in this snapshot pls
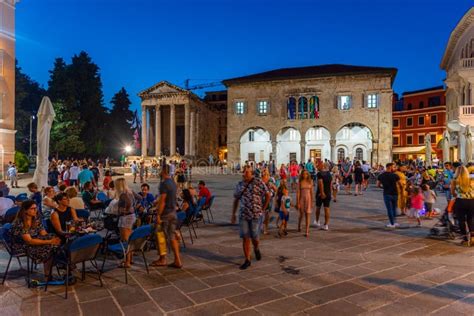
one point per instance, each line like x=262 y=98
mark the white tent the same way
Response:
x=45 y=121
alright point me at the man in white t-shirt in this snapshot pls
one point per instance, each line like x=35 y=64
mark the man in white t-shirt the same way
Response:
x=5 y=204
x=74 y=174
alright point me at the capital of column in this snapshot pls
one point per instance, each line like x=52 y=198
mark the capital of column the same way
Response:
x=332 y=142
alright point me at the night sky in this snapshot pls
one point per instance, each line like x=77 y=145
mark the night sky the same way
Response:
x=137 y=43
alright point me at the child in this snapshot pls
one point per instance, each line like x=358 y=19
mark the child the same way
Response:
x=36 y=196
x=284 y=211
x=416 y=205
x=429 y=197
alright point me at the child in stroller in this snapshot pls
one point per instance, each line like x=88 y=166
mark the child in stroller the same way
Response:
x=446 y=226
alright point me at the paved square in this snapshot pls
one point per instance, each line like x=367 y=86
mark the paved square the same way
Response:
x=357 y=267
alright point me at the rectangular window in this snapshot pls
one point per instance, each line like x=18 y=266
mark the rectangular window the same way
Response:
x=421 y=120
x=344 y=102
x=433 y=138
x=373 y=101
x=262 y=107
x=434 y=101
x=421 y=139
x=396 y=122
x=395 y=140
x=292 y=156
x=434 y=119
x=409 y=139
x=239 y=107
x=251 y=157
x=251 y=136
x=409 y=121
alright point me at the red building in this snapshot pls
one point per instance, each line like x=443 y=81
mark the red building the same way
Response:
x=416 y=114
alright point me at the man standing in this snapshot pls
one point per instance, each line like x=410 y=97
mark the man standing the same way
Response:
x=390 y=182
x=74 y=174
x=166 y=217
x=323 y=194
x=448 y=176
x=12 y=173
x=254 y=197
x=86 y=176
x=347 y=175
x=134 y=168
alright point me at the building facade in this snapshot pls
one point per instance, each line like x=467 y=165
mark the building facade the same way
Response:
x=176 y=121
x=458 y=62
x=318 y=112
x=217 y=100
x=417 y=114
x=7 y=82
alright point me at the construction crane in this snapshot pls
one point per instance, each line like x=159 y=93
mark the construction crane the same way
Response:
x=200 y=86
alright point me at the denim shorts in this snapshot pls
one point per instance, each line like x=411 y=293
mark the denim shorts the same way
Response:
x=251 y=228
x=284 y=217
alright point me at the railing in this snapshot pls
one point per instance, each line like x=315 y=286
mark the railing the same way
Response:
x=466 y=110
x=466 y=63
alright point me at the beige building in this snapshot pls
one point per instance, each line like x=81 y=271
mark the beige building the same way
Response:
x=458 y=61
x=176 y=121
x=318 y=112
x=7 y=82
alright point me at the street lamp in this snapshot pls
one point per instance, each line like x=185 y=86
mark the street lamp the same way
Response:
x=128 y=149
x=32 y=117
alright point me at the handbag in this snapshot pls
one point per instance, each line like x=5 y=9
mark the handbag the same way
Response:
x=161 y=240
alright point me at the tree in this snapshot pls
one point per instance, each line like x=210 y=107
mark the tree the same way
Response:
x=120 y=121
x=65 y=132
x=28 y=95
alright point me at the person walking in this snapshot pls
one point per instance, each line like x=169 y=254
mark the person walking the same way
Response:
x=253 y=196
x=304 y=199
x=12 y=173
x=358 y=178
x=462 y=189
x=323 y=194
x=346 y=169
x=390 y=182
x=402 y=192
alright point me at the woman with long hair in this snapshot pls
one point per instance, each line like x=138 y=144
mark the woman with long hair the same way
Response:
x=462 y=188
x=270 y=183
x=127 y=216
x=29 y=235
x=304 y=199
x=62 y=214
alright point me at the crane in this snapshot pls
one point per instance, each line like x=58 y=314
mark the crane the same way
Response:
x=200 y=86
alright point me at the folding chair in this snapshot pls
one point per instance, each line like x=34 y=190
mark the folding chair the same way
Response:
x=136 y=242
x=208 y=209
x=83 y=249
x=83 y=213
x=10 y=215
x=6 y=241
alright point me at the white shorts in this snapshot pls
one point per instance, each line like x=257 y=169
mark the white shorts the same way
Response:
x=126 y=221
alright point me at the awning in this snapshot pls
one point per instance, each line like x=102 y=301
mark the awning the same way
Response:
x=409 y=150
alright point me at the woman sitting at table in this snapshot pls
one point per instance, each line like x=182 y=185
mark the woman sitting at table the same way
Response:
x=74 y=201
x=188 y=201
x=48 y=201
x=28 y=234
x=62 y=214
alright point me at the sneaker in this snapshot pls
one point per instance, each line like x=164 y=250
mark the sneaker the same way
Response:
x=245 y=265
x=258 y=254
x=325 y=227
x=396 y=225
x=316 y=223
x=389 y=226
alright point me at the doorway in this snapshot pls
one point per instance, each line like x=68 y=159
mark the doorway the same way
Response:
x=315 y=154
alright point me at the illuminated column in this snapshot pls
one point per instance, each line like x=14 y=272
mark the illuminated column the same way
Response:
x=186 y=129
x=157 y=130
x=172 y=130
x=144 y=132
x=191 y=134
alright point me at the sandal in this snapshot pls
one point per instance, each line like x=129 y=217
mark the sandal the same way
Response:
x=157 y=263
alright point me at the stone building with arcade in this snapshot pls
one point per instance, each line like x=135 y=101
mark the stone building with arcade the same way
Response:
x=175 y=121
x=318 y=112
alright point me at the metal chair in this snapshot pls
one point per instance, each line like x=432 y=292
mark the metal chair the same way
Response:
x=181 y=216
x=10 y=215
x=208 y=210
x=6 y=241
x=83 y=213
x=136 y=242
x=83 y=249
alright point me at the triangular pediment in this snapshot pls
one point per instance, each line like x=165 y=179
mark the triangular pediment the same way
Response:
x=163 y=87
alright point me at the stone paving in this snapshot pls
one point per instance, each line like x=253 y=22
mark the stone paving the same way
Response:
x=357 y=267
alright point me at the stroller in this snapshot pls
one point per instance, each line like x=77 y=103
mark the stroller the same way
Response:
x=447 y=227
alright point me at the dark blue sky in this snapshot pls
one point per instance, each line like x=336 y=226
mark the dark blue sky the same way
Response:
x=137 y=43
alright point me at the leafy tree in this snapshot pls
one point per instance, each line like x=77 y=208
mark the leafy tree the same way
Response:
x=120 y=120
x=28 y=95
x=65 y=132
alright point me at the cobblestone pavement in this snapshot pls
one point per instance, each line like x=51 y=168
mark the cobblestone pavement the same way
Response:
x=357 y=267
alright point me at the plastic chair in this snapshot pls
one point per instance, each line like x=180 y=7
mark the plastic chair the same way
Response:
x=83 y=213
x=198 y=216
x=101 y=196
x=181 y=216
x=11 y=197
x=6 y=241
x=136 y=242
x=10 y=215
x=208 y=209
x=22 y=195
x=83 y=249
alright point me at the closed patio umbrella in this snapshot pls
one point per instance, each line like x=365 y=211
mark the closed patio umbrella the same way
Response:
x=468 y=144
x=45 y=121
x=445 y=146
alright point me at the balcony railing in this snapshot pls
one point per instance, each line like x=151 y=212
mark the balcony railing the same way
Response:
x=466 y=110
x=466 y=63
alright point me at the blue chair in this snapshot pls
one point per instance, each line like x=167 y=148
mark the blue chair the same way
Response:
x=83 y=249
x=208 y=209
x=181 y=217
x=11 y=197
x=198 y=216
x=6 y=241
x=136 y=242
x=10 y=215
x=101 y=196
x=23 y=196
x=82 y=213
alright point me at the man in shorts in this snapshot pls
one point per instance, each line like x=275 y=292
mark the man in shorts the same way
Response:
x=323 y=195
x=166 y=217
x=254 y=197
x=293 y=175
x=346 y=170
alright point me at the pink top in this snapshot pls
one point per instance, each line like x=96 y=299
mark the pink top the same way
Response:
x=417 y=201
x=294 y=170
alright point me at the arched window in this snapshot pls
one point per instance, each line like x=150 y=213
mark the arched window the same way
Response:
x=359 y=154
x=302 y=108
x=314 y=107
x=341 y=154
x=291 y=108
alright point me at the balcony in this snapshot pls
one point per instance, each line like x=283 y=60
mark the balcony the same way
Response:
x=466 y=114
x=466 y=63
